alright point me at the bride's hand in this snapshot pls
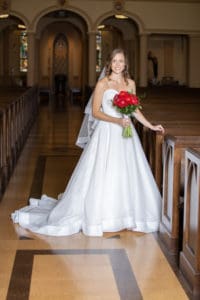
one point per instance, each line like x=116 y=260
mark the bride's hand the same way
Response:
x=125 y=122
x=158 y=128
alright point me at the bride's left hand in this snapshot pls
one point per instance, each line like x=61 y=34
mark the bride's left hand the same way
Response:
x=158 y=128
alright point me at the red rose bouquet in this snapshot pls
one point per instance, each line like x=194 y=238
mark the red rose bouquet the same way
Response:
x=126 y=103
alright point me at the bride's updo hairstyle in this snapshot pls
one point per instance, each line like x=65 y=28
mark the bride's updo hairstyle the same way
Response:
x=108 y=69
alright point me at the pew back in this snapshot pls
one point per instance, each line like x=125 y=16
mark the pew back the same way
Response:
x=190 y=254
x=173 y=158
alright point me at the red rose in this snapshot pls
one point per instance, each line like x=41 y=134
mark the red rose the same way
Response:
x=126 y=103
x=122 y=103
x=134 y=100
x=122 y=94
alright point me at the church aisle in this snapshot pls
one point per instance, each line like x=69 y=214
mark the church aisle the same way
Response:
x=123 y=265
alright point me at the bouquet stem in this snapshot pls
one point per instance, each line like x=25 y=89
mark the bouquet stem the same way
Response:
x=127 y=131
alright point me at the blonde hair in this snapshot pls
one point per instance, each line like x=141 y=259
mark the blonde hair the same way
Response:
x=108 y=69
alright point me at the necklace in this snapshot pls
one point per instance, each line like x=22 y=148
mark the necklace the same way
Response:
x=119 y=80
x=119 y=85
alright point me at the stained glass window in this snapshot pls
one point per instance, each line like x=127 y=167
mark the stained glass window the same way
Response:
x=98 y=52
x=23 y=52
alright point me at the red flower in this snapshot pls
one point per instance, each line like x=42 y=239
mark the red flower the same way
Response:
x=134 y=100
x=126 y=103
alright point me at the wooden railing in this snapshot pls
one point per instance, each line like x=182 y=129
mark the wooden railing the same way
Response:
x=18 y=109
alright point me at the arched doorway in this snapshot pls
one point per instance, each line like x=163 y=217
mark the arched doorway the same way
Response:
x=62 y=49
x=60 y=64
x=113 y=33
x=13 y=64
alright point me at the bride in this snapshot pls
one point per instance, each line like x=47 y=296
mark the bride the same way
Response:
x=112 y=187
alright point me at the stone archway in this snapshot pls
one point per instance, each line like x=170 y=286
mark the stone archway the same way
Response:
x=12 y=30
x=72 y=32
x=120 y=33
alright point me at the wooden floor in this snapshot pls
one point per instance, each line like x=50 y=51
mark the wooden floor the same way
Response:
x=123 y=265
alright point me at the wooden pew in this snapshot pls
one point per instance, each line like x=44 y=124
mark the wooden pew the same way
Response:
x=173 y=157
x=152 y=143
x=190 y=254
x=177 y=109
x=17 y=114
x=5 y=112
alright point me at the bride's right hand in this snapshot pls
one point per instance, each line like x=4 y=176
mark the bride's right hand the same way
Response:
x=124 y=122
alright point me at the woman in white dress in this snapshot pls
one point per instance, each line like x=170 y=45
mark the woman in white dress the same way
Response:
x=112 y=187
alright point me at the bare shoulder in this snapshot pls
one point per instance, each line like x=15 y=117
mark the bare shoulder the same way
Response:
x=102 y=84
x=131 y=84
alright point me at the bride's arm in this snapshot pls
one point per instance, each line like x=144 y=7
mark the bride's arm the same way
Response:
x=141 y=118
x=96 y=107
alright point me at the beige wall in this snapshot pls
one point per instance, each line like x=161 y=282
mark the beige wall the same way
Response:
x=166 y=15
x=194 y=61
x=171 y=52
x=152 y=17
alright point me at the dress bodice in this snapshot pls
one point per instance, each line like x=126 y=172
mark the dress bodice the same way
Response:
x=107 y=104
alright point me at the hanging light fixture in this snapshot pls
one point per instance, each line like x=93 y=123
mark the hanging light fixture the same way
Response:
x=21 y=26
x=119 y=9
x=101 y=27
x=3 y=16
x=122 y=17
x=4 y=8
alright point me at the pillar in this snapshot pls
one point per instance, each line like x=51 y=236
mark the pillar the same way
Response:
x=193 y=61
x=31 y=59
x=143 y=60
x=92 y=58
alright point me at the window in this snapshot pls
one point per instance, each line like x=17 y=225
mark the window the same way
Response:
x=23 y=52
x=98 y=52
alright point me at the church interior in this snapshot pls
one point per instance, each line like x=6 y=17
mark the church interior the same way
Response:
x=51 y=55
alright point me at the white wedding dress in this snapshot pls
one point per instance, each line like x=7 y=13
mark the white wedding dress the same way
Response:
x=112 y=188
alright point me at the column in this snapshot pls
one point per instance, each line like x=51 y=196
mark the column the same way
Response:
x=31 y=59
x=36 y=71
x=85 y=62
x=92 y=58
x=194 y=62
x=5 y=47
x=143 y=60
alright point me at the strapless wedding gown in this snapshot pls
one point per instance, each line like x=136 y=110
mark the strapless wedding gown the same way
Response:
x=112 y=188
